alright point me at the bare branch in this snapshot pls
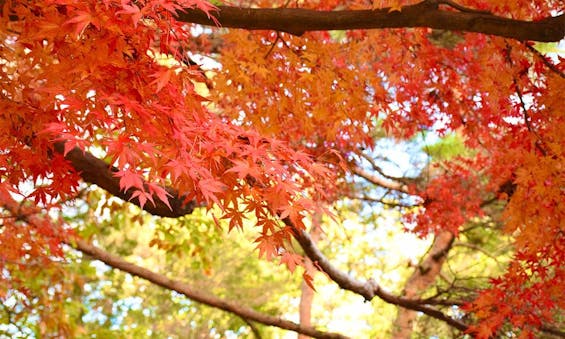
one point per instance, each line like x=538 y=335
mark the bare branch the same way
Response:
x=193 y=294
x=380 y=201
x=367 y=289
x=297 y=21
x=383 y=182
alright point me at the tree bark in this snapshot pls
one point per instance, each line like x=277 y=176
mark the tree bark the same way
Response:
x=198 y=296
x=421 y=279
x=96 y=171
x=307 y=294
x=367 y=289
x=427 y=13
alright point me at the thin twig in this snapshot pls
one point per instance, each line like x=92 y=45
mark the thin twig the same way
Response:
x=544 y=60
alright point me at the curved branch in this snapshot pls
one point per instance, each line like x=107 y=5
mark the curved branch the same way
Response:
x=96 y=171
x=198 y=296
x=297 y=21
x=382 y=182
x=367 y=289
x=101 y=174
x=376 y=167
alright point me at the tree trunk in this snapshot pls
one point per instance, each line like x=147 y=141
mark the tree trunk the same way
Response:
x=307 y=296
x=423 y=277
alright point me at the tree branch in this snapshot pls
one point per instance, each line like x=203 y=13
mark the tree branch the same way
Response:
x=98 y=172
x=367 y=289
x=380 y=201
x=556 y=332
x=422 y=278
x=385 y=183
x=376 y=167
x=545 y=60
x=198 y=296
x=427 y=13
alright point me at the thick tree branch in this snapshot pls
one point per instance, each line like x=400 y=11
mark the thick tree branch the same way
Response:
x=367 y=289
x=424 y=14
x=98 y=172
x=193 y=294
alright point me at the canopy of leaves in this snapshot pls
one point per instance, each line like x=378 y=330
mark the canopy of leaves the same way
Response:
x=279 y=133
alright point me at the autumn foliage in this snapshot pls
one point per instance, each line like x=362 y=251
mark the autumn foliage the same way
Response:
x=276 y=134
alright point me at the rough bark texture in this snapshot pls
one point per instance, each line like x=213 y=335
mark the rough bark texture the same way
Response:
x=428 y=13
x=423 y=277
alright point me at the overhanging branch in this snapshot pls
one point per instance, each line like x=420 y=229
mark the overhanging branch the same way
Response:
x=382 y=182
x=32 y=217
x=428 y=13
x=367 y=289
x=98 y=172
x=198 y=296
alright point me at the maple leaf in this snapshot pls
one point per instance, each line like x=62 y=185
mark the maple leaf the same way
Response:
x=284 y=126
x=291 y=260
x=209 y=188
x=309 y=280
x=243 y=168
x=129 y=179
x=133 y=10
x=160 y=192
x=82 y=19
x=142 y=197
x=266 y=248
x=162 y=77
x=204 y=5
